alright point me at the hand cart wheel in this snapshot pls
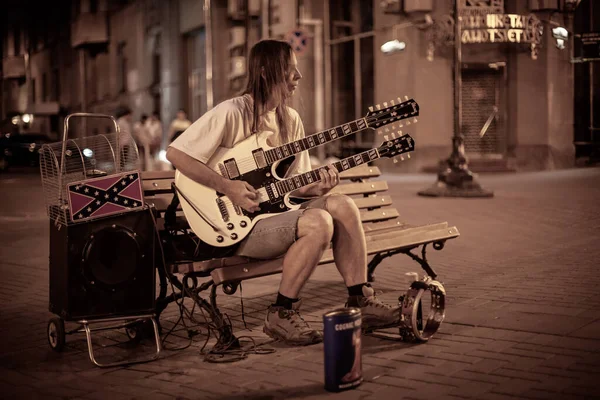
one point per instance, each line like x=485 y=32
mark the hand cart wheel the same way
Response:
x=56 y=334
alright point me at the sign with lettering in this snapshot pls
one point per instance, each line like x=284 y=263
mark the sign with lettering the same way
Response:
x=501 y=28
x=484 y=21
x=590 y=44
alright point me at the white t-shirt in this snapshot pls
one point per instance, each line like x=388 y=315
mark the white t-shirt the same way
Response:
x=229 y=123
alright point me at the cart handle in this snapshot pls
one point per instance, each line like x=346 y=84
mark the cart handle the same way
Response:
x=65 y=134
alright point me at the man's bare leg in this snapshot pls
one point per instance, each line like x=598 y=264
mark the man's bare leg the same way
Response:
x=315 y=229
x=349 y=246
x=350 y=255
x=283 y=320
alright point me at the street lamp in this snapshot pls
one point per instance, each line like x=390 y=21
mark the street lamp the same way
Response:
x=454 y=177
x=395 y=46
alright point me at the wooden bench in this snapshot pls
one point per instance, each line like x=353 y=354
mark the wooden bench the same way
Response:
x=385 y=232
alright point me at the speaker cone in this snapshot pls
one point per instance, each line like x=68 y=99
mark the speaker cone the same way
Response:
x=111 y=256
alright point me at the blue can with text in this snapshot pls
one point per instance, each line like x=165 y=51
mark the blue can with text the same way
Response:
x=342 y=348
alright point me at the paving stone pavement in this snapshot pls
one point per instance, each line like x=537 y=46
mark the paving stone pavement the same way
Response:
x=522 y=317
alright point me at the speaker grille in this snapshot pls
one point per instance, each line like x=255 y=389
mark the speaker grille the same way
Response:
x=111 y=256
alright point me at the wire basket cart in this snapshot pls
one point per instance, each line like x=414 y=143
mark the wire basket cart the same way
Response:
x=71 y=163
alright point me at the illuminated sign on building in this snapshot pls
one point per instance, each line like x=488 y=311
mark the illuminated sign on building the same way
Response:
x=484 y=21
x=500 y=28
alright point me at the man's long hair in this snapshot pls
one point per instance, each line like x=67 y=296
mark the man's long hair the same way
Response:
x=267 y=68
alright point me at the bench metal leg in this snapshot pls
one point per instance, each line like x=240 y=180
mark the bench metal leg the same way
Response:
x=88 y=333
x=379 y=257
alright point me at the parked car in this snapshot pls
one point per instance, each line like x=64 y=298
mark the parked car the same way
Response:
x=19 y=145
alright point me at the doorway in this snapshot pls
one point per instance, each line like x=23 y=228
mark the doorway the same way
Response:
x=484 y=109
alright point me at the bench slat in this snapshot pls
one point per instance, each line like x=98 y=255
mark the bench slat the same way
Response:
x=156 y=186
x=404 y=239
x=368 y=187
x=362 y=172
x=373 y=201
x=370 y=227
x=384 y=233
x=379 y=214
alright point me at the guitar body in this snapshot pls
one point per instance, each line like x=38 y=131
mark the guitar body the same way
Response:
x=211 y=215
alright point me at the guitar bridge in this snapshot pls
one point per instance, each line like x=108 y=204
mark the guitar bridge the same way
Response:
x=223 y=210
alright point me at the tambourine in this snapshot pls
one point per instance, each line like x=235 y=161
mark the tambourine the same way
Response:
x=414 y=325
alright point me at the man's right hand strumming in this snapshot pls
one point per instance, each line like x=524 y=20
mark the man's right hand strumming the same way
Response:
x=242 y=194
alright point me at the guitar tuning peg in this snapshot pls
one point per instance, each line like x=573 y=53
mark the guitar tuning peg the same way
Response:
x=393 y=102
x=386 y=137
x=371 y=108
x=400 y=125
x=379 y=131
x=407 y=155
x=399 y=133
x=406 y=98
x=399 y=100
x=378 y=107
x=401 y=157
x=385 y=104
x=393 y=135
x=387 y=129
x=407 y=122
x=415 y=120
x=395 y=160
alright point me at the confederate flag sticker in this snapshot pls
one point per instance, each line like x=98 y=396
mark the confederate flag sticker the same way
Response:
x=99 y=197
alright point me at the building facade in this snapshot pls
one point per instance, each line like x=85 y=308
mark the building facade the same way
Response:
x=517 y=102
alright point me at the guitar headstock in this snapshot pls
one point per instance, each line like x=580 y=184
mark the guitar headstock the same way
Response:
x=379 y=116
x=397 y=146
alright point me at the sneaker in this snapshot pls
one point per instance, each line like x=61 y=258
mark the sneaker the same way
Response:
x=289 y=326
x=375 y=313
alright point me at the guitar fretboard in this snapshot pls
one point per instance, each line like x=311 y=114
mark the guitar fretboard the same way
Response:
x=298 y=181
x=315 y=140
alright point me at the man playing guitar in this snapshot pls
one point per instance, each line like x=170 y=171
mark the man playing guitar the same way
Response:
x=300 y=235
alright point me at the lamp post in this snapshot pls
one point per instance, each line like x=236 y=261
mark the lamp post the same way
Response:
x=454 y=177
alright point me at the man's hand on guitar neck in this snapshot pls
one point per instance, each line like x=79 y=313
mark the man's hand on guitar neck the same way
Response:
x=330 y=178
x=242 y=194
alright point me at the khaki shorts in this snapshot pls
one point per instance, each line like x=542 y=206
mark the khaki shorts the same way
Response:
x=272 y=237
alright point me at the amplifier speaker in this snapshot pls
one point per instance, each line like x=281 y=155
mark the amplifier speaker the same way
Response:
x=103 y=267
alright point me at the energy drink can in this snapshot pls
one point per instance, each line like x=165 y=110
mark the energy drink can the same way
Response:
x=342 y=348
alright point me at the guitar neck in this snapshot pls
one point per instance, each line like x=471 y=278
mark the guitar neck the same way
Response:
x=374 y=119
x=315 y=140
x=307 y=178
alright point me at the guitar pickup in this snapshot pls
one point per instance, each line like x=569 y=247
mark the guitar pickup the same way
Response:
x=272 y=192
x=259 y=158
x=232 y=169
